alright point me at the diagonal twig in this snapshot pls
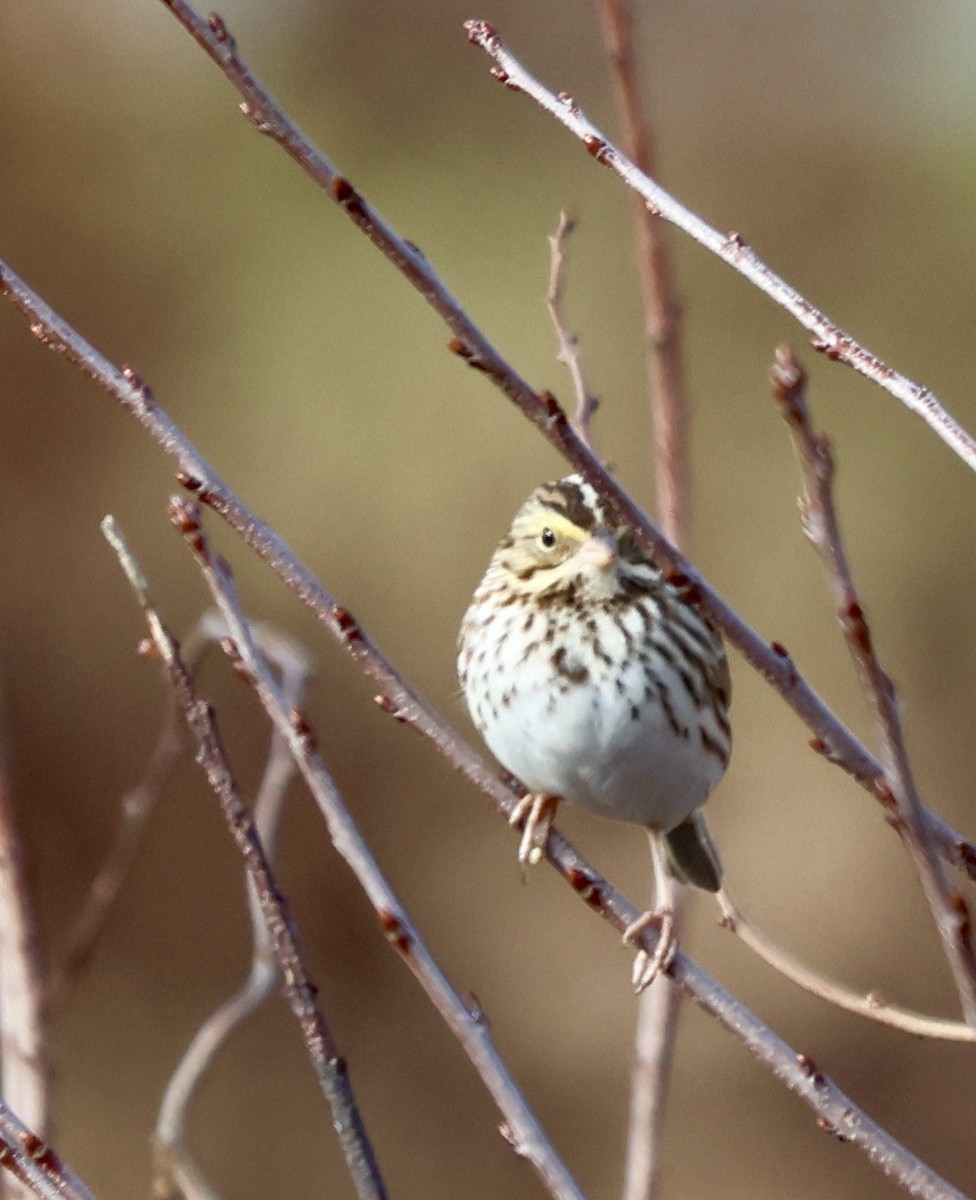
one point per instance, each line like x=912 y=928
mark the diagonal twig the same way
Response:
x=329 y=1067
x=176 y=1172
x=731 y=248
x=897 y=791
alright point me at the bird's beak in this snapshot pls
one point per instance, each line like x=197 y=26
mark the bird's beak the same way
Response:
x=598 y=552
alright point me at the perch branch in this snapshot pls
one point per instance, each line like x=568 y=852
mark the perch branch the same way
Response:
x=731 y=248
x=835 y=1111
x=35 y=1163
x=329 y=1066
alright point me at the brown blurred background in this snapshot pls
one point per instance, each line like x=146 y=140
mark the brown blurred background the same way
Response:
x=838 y=138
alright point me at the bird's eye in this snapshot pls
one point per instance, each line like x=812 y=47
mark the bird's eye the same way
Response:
x=547 y=538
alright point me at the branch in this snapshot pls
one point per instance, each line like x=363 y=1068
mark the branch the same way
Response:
x=828 y=338
x=832 y=738
x=670 y=407
x=176 y=1173
x=329 y=1066
x=568 y=352
x=872 y=1006
x=35 y=1163
x=897 y=791
x=657 y=1023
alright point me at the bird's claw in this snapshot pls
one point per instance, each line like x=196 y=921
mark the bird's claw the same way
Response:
x=538 y=811
x=647 y=965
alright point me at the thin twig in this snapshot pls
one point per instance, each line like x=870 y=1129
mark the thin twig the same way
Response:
x=670 y=408
x=25 y=1077
x=897 y=791
x=873 y=1006
x=135 y=810
x=35 y=1163
x=568 y=352
x=828 y=337
x=329 y=1066
x=468 y=1025
x=832 y=739
x=176 y=1173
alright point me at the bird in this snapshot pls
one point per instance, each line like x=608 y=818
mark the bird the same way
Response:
x=593 y=679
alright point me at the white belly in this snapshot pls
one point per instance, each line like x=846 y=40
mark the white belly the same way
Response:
x=597 y=736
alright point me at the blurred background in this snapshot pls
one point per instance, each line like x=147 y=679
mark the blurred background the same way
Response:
x=838 y=139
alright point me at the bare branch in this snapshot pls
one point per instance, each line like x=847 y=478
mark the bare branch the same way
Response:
x=670 y=408
x=135 y=810
x=669 y=402
x=172 y=1157
x=35 y=1163
x=828 y=338
x=659 y=1009
x=872 y=1006
x=568 y=352
x=329 y=1066
x=897 y=791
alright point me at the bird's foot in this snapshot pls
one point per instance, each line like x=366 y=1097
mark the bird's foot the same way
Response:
x=538 y=811
x=647 y=965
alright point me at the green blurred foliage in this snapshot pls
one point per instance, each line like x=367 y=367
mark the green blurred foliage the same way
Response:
x=134 y=198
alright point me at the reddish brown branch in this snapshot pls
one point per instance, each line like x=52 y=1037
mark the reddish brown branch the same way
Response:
x=670 y=407
x=897 y=790
x=35 y=1163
